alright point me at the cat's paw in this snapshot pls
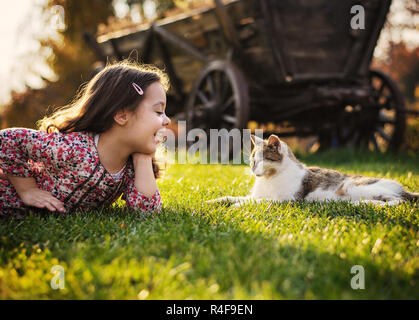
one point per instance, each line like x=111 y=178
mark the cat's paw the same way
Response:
x=222 y=199
x=394 y=202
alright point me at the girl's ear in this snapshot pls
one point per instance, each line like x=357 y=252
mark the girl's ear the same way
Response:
x=274 y=140
x=121 y=117
x=256 y=140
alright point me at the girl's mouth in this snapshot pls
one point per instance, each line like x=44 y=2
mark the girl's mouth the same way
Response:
x=160 y=135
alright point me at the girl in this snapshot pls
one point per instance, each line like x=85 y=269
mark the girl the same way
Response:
x=89 y=152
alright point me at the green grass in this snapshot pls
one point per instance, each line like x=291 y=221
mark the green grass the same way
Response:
x=194 y=250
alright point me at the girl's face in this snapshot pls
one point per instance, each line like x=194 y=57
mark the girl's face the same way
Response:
x=147 y=119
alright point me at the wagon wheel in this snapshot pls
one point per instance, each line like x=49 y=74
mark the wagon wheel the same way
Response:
x=219 y=98
x=380 y=126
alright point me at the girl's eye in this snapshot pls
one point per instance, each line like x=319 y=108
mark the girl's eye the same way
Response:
x=160 y=113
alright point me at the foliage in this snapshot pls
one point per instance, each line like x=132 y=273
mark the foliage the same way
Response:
x=402 y=64
x=71 y=60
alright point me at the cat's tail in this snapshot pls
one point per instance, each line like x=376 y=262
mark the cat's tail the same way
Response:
x=409 y=196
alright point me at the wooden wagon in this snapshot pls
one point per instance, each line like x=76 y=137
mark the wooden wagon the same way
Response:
x=297 y=63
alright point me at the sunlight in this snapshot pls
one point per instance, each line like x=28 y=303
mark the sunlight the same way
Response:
x=20 y=59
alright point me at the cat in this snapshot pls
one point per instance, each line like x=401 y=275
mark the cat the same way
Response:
x=281 y=177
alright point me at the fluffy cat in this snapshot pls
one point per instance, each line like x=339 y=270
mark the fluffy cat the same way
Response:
x=281 y=177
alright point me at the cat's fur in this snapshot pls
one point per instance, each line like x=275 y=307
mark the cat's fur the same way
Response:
x=281 y=177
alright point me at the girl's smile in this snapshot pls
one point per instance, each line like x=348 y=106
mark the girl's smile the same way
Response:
x=160 y=135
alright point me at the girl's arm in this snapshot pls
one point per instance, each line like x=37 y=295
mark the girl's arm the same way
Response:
x=145 y=182
x=18 y=145
x=31 y=195
x=142 y=192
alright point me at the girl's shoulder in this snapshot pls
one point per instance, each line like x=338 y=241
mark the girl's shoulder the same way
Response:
x=80 y=146
x=78 y=142
x=81 y=141
x=79 y=136
x=39 y=134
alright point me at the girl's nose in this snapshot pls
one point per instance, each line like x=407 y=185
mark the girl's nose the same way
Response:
x=166 y=120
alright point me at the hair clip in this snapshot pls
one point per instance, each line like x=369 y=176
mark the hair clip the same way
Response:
x=138 y=88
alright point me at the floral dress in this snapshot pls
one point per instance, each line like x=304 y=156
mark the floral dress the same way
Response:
x=66 y=165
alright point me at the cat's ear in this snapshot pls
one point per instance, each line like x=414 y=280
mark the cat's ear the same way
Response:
x=274 y=140
x=256 y=140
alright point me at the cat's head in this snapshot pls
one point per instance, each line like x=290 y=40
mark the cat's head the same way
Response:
x=267 y=156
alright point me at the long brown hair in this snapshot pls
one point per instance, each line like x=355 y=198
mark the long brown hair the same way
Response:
x=108 y=92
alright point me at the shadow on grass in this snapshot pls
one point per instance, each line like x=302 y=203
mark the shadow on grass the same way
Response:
x=297 y=264
x=364 y=212
x=242 y=262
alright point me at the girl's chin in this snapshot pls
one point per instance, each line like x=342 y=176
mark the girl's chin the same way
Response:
x=148 y=149
x=153 y=146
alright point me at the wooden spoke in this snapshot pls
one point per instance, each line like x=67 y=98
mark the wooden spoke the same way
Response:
x=218 y=85
x=226 y=87
x=229 y=119
x=374 y=142
x=211 y=86
x=228 y=103
x=202 y=96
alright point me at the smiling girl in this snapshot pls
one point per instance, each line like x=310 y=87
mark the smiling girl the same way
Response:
x=87 y=153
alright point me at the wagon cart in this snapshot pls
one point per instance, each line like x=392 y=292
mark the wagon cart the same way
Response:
x=297 y=63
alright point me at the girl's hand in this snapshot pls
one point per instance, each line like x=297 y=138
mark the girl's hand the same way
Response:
x=31 y=195
x=36 y=197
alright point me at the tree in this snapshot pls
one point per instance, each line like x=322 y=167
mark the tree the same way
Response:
x=397 y=52
x=70 y=59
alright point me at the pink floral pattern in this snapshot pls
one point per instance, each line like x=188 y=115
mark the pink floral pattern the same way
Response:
x=67 y=166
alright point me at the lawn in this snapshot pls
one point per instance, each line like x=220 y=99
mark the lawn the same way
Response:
x=193 y=250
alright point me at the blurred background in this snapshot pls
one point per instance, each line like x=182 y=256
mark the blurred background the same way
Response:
x=44 y=58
